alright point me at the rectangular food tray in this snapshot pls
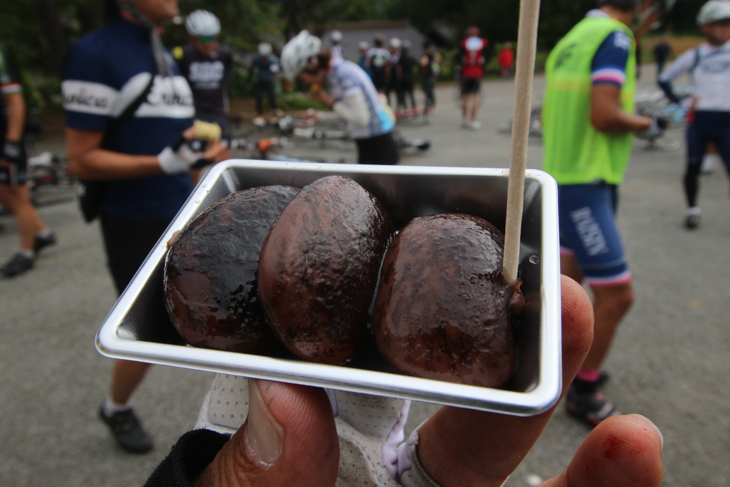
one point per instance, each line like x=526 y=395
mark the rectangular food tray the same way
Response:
x=137 y=328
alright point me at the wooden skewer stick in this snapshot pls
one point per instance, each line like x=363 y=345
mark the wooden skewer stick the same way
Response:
x=526 y=49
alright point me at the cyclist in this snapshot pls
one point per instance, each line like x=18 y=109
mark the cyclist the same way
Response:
x=363 y=48
x=587 y=149
x=336 y=41
x=377 y=60
x=352 y=96
x=394 y=81
x=14 y=190
x=507 y=60
x=405 y=70
x=472 y=55
x=267 y=65
x=430 y=62
x=142 y=160
x=206 y=64
x=709 y=120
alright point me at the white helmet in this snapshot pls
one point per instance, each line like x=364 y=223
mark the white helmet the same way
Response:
x=336 y=36
x=394 y=42
x=264 y=49
x=297 y=52
x=713 y=11
x=363 y=45
x=202 y=23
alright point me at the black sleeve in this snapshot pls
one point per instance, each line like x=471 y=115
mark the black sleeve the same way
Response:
x=227 y=62
x=193 y=452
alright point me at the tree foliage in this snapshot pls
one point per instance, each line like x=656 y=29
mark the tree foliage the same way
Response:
x=37 y=33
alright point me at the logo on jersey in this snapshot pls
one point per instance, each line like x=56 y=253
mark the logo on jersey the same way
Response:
x=207 y=74
x=87 y=97
x=715 y=67
x=622 y=41
x=170 y=97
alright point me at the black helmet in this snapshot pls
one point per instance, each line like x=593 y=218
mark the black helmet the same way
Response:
x=626 y=5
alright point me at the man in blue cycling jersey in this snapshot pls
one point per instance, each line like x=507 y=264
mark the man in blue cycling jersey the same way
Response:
x=142 y=161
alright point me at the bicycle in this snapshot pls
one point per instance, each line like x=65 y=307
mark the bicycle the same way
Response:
x=305 y=128
x=49 y=180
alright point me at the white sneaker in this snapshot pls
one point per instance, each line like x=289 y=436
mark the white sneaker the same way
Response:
x=694 y=217
x=708 y=163
x=475 y=125
x=259 y=121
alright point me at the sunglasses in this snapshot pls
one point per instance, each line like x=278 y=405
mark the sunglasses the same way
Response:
x=207 y=39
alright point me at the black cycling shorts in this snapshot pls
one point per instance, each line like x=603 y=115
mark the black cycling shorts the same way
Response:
x=381 y=149
x=127 y=242
x=471 y=86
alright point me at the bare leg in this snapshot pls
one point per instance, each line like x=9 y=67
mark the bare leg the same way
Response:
x=474 y=106
x=126 y=377
x=16 y=200
x=610 y=305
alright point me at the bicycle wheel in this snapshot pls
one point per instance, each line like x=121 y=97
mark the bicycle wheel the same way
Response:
x=666 y=143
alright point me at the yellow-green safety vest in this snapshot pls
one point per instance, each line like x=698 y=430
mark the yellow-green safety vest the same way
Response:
x=575 y=152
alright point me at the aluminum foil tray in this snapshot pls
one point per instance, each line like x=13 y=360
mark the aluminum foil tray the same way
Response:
x=137 y=328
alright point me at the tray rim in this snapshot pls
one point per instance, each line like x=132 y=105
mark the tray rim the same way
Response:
x=542 y=397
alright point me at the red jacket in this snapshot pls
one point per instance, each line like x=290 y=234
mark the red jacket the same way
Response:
x=506 y=58
x=472 y=57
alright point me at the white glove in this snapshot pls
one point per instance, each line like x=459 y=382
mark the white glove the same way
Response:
x=178 y=157
x=370 y=431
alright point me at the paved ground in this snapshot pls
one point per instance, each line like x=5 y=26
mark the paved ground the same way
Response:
x=669 y=360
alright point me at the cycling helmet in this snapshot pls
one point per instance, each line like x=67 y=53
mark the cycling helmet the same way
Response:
x=297 y=52
x=202 y=23
x=394 y=42
x=336 y=36
x=264 y=49
x=363 y=45
x=714 y=11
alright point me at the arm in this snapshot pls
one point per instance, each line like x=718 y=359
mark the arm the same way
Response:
x=684 y=63
x=354 y=109
x=607 y=115
x=87 y=160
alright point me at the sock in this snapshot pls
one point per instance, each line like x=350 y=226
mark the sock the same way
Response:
x=695 y=210
x=110 y=407
x=586 y=380
x=27 y=253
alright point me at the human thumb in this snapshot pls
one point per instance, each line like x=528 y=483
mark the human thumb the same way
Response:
x=622 y=450
x=289 y=438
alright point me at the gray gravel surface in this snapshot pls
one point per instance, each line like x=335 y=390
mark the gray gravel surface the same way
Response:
x=669 y=360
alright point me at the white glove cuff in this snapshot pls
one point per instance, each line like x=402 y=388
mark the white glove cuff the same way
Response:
x=416 y=475
x=178 y=161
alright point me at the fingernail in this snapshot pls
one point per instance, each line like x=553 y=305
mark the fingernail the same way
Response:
x=647 y=420
x=265 y=437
